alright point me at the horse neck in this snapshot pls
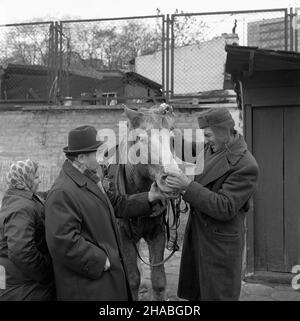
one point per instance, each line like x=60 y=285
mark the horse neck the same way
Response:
x=137 y=178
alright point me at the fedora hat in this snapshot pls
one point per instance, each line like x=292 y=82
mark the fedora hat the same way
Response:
x=82 y=140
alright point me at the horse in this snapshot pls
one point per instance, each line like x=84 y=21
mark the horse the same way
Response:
x=138 y=174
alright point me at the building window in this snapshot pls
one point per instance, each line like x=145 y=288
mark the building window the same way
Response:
x=108 y=98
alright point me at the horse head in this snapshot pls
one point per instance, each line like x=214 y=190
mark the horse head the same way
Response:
x=151 y=134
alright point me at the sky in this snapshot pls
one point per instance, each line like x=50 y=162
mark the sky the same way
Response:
x=15 y=11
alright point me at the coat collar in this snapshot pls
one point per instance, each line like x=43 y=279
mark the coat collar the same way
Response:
x=218 y=165
x=81 y=180
x=74 y=174
x=20 y=192
x=236 y=150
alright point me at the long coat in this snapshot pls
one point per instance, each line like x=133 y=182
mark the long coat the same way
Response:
x=211 y=260
x=23 y=250
x=81 y=233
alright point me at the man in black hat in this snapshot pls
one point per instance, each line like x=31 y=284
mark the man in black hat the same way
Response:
x=211 y=262
x=81 y=231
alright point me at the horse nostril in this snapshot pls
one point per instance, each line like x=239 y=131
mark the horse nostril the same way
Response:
x=163 y=177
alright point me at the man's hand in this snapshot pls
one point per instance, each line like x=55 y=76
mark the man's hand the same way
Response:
x=177 y=181
x=107 y=264
x=155 y=194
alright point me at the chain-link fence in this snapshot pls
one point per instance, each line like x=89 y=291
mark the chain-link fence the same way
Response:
x=296 y=27
x=25 y=62
x=101 y=62
x=133 y=59
x=198 y=57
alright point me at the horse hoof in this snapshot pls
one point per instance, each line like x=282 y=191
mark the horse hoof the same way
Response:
x=161 y=296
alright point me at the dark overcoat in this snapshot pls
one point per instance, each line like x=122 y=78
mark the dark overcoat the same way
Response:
x=212 y=252
x=23 y=249
x=81 y=233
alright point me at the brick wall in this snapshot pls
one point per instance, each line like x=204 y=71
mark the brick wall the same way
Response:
x=40 y=134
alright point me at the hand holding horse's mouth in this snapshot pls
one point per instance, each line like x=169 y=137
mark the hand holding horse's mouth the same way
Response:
x=155 y=194
x=177 y=180
x=166 y=190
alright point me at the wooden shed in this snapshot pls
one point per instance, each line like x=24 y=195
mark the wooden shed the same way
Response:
x=268 y=86
x=23 y=82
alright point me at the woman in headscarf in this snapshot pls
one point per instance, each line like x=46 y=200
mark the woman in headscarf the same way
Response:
x=23 y=251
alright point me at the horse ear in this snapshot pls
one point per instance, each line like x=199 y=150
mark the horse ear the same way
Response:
x=134 y=117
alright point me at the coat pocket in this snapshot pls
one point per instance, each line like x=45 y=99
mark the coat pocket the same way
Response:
x=224 y=236
x=105 y=250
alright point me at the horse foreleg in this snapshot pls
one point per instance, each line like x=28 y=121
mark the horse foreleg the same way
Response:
x=130 y=258
x=158 y=275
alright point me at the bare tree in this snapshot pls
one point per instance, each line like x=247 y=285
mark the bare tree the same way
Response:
x=97 y=45
x=111 y=46
x=187 y=30
x=25 y=44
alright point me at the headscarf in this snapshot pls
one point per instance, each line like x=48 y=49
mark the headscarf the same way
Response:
x=21 y=174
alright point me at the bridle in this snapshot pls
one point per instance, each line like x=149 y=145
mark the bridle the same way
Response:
x=171 y=220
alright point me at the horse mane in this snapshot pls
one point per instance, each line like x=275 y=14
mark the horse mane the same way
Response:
x=157 y=116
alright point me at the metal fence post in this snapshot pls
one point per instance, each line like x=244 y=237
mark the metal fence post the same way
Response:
x=56 y=62
x=68 y=58
x=52 y=61
x=60 y=86
x=296 y=29
x=163 y=55
x=49 y=73
x=291 y=17
x=167 y=57
x=286 y=30
x=172 y=55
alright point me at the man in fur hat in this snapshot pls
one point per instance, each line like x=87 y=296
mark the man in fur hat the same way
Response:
x=211 y=262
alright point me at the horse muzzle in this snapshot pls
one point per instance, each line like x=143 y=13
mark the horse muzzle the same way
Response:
x=165 y=189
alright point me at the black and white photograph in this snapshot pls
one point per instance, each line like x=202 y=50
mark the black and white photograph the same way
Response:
x=149 y=152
